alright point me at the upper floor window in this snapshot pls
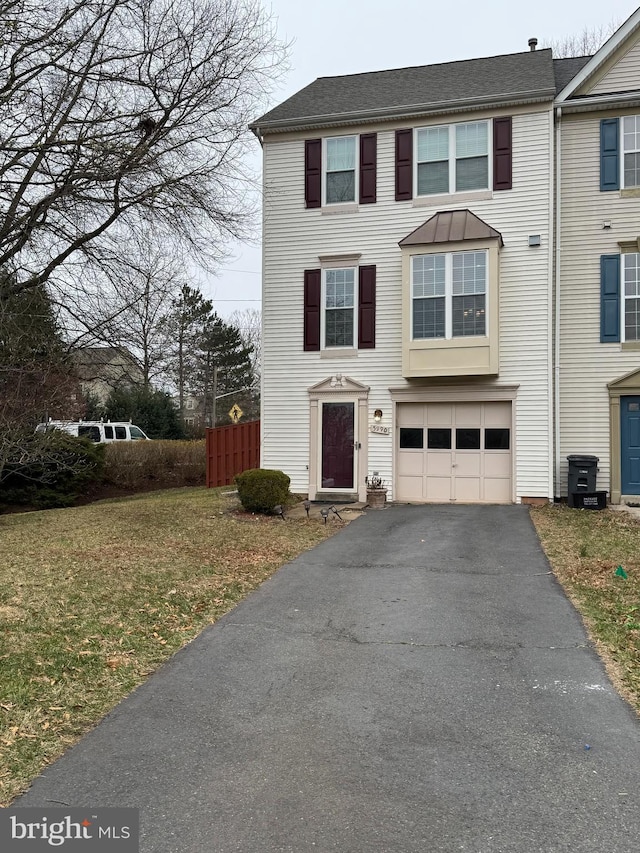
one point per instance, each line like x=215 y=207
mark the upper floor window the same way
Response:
x=631 y=299
x=631 y=151
x=339 y=301
x=340 y=169
x=448 y=295
x=452 y=158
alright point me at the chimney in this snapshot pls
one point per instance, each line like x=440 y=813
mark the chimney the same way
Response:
x=533 y=44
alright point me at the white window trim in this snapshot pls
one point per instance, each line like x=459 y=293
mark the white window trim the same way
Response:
x=449 y=295
x=452 y=159
x=624 y=297
x=323 y=298
x=623 y=151
x=356 y=183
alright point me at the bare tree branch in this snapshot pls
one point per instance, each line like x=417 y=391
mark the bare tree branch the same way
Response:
x=586 y=43
x=121 y=114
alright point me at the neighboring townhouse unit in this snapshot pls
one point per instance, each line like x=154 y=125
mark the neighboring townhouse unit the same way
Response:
x=598 y=262
x=408 y=280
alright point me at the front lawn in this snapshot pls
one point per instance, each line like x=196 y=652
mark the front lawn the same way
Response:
x=586 y=549
x=93 y=599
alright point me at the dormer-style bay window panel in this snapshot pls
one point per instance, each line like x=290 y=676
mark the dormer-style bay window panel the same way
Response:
x=450 y=297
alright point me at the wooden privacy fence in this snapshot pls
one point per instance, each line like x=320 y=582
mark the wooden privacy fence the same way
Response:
x=231 y=450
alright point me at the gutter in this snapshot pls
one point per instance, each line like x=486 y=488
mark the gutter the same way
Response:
x=395 y=114
x=594 y=102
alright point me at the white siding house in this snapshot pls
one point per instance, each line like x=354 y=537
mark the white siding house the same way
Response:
x=432 y=295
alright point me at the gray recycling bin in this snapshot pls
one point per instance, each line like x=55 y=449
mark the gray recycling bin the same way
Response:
x=583 y=473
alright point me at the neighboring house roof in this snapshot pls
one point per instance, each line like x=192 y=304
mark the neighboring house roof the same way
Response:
x=95 y=362
x=96 y=356
x=511 y=78
x=451 y=226
x=566 y=69
x=596 y=61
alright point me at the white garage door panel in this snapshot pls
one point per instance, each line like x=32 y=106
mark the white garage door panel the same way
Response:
x=468 y=464
x=439 y=464
x=442 y=473
x=497 y=415
x=497 y=491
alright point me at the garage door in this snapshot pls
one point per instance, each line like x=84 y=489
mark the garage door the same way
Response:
x=454 y=452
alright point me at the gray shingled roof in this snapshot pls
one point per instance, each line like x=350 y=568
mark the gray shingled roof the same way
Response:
x=405 y=91
x=566 y=69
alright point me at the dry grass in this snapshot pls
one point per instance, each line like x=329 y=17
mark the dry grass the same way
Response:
x=93 y=599
x=585 y=548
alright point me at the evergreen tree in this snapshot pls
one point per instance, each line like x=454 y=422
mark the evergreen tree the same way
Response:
x=36 y=380
x=153 y=411
x=185 y=326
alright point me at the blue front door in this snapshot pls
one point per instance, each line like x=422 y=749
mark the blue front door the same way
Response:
x=630 y=444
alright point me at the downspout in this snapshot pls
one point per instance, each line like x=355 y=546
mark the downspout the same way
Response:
x=556 y=287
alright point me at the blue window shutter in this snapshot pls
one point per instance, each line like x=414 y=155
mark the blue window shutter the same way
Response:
x=609 y=154
x=609 y=299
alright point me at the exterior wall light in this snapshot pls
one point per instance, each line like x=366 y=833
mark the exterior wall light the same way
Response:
x=377 y=415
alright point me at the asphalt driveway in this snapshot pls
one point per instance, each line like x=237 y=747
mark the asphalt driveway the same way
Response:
x=419 y=682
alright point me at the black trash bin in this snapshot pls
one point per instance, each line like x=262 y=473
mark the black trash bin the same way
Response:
x=583 y=473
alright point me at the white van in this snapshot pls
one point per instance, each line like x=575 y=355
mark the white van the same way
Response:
x=98 y=431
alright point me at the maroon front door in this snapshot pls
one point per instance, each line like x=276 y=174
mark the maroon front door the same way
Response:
x=338 y=434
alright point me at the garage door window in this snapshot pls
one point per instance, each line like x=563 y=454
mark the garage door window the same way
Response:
x=411 y=438
x=496 y=439
x=467 y=439
x=439 y=438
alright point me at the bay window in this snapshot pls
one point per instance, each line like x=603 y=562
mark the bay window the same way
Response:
x=448 y=295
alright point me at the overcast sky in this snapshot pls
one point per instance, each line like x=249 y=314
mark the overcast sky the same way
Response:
x=351 y=36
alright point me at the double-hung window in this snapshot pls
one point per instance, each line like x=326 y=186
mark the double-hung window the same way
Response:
x=631 y=151
x=340 y=169
x=452 y=158
x=631 y=289
x=449 y=295
x=339 y=303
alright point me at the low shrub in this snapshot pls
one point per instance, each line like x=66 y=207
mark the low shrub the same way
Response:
x=136 y=464
x=260 y=489
x=50 y=470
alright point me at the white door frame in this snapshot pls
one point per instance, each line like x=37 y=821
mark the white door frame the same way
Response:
x=338 y=389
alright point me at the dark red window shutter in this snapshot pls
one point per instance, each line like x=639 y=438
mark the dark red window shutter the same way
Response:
x=367 y=308
x=312 y=296
x=368 y=166
x=404 y=165
x=502 y=156
x=313 y=172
